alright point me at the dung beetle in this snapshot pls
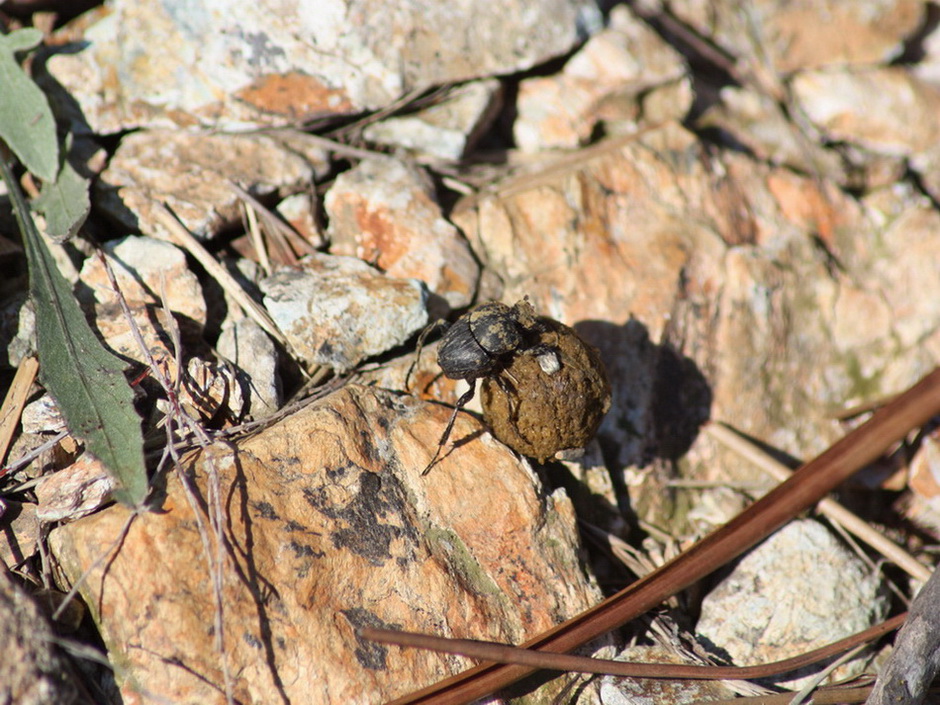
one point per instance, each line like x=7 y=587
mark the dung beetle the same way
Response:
x=480 y=343
x=475 y=345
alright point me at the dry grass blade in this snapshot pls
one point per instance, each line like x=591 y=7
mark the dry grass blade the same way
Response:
x=285 y=243
x=805 y=694
x=15 y=400
x=257 y=240
x=807 y=486
x=823 y=696
x=218 y=272
x=827 y=507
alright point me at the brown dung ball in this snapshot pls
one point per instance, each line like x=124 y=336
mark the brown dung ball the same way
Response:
x=550 y=397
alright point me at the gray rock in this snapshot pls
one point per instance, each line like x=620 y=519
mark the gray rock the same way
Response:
x=191 y=173
x=254 y=355
x=337 y=311
x=798 y=590
x=446 y=130
x=32 y=672
x=238 y=64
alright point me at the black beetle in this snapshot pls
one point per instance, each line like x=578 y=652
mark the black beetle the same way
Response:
x=480 y=343
x=474 y=346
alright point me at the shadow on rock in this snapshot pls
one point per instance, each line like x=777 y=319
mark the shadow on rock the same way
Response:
x=660 y=397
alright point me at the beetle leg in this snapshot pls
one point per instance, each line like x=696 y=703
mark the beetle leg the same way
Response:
x=510 y=389
x=421 y=338
x=462 y=402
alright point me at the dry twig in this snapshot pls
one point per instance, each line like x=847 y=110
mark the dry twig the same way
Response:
x=827 y=507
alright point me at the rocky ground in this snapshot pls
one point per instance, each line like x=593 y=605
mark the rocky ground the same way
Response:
x=735 y=203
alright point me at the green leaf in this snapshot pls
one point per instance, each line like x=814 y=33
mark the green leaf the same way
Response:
x=64 y=202
x=86 y=380
x=22 y=39
x=26 y=121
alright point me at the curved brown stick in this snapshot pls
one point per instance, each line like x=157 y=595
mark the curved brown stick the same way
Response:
x=504 y=653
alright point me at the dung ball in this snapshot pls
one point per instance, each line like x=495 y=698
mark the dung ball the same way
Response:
x=549 y=397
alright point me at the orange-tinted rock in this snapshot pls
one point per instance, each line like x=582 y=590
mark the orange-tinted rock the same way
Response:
x=329 y=525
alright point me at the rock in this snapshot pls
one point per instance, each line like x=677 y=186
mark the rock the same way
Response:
x=898 y=272
x=17 y=329
x=19 y=532
x=338 y=311
x=145 y=269
x=42 y=416
x=73 y=492
x=781 y=36
x=612 y=78
x=298 y=211
x=240 y=64
x=331 y=526
x=191 y=173
x=924 y=471
x=213 y=393
x=33 y=672
x=772 y=606
x=254 y=355
x=705 y=281
x=548 y=401
x=921 y=505
x=896 y=115
x=926 y=165
x=757 y=121
x=383 y=212
x=446 y=130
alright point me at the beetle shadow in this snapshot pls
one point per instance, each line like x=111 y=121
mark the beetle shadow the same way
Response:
x=457 y=442
x=660 y=399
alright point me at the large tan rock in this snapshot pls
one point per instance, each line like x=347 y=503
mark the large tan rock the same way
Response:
x=328 y=526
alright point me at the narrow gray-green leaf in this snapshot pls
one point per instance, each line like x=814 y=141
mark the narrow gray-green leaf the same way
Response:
x=22 y=39
x=64 y=202
x=26 y=121
x=86 y=380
